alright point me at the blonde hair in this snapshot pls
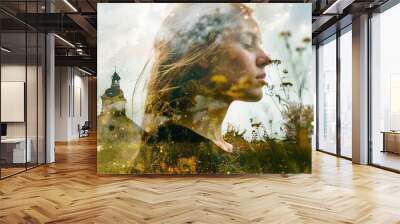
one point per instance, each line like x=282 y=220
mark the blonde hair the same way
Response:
x=179 y=48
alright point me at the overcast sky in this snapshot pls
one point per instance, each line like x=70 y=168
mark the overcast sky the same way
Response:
x=126 y=34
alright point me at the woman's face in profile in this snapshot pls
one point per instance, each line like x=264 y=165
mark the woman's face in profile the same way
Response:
x=240 y=63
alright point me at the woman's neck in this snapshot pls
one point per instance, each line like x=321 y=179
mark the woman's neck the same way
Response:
x=206 y=118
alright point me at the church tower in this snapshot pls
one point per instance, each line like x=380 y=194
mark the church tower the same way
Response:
x=113 y=99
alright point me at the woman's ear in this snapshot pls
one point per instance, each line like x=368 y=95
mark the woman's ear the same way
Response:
x=204 y=63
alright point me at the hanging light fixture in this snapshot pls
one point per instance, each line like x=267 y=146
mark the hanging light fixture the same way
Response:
x=5 y=50
x=70 y=5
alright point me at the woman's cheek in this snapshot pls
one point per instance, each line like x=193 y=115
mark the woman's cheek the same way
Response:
x=249 y=62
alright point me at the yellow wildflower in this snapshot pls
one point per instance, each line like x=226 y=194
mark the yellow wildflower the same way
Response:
x=219 y=79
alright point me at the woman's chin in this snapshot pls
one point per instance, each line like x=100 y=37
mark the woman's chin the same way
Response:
x=252 y=95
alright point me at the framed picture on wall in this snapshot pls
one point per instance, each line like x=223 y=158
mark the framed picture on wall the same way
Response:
x=204 y=88
x=12 y=101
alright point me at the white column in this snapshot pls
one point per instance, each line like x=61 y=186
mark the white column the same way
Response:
x=360 y=90
x=62 y=103
x=50 y=92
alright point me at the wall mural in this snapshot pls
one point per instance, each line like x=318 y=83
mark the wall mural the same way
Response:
x=196 y=88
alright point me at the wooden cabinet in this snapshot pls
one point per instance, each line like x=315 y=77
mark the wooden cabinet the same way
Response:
x=391 y=142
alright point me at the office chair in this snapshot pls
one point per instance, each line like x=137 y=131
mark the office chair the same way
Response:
x=84 y=130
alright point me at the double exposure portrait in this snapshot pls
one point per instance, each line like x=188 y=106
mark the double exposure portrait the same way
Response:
x=204 y=88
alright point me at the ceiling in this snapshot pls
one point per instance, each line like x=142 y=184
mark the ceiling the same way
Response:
x=75 y=23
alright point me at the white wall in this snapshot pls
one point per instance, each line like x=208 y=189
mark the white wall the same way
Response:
x=71 y=102
x=61 y=103
x=80 y=110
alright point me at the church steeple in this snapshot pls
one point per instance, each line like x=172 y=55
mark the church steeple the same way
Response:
x=115 y=79
x=113 y=97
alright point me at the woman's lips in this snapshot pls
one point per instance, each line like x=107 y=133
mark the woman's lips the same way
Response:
x=261 y=76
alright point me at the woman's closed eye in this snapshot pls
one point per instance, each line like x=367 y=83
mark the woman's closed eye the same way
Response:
x=248 y=40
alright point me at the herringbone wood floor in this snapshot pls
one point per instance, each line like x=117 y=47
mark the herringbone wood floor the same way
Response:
x=69 y=191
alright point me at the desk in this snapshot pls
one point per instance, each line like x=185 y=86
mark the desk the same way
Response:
x=15 y=148
x=391 y=141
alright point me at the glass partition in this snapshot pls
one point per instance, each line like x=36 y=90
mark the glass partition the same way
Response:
x=13 y=95
x=313 y=71
x=346 y=93
x=327 y=96
x=22 y=77
x=385 y=89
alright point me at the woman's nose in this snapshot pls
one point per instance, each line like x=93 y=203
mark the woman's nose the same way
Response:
x=262 y=59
